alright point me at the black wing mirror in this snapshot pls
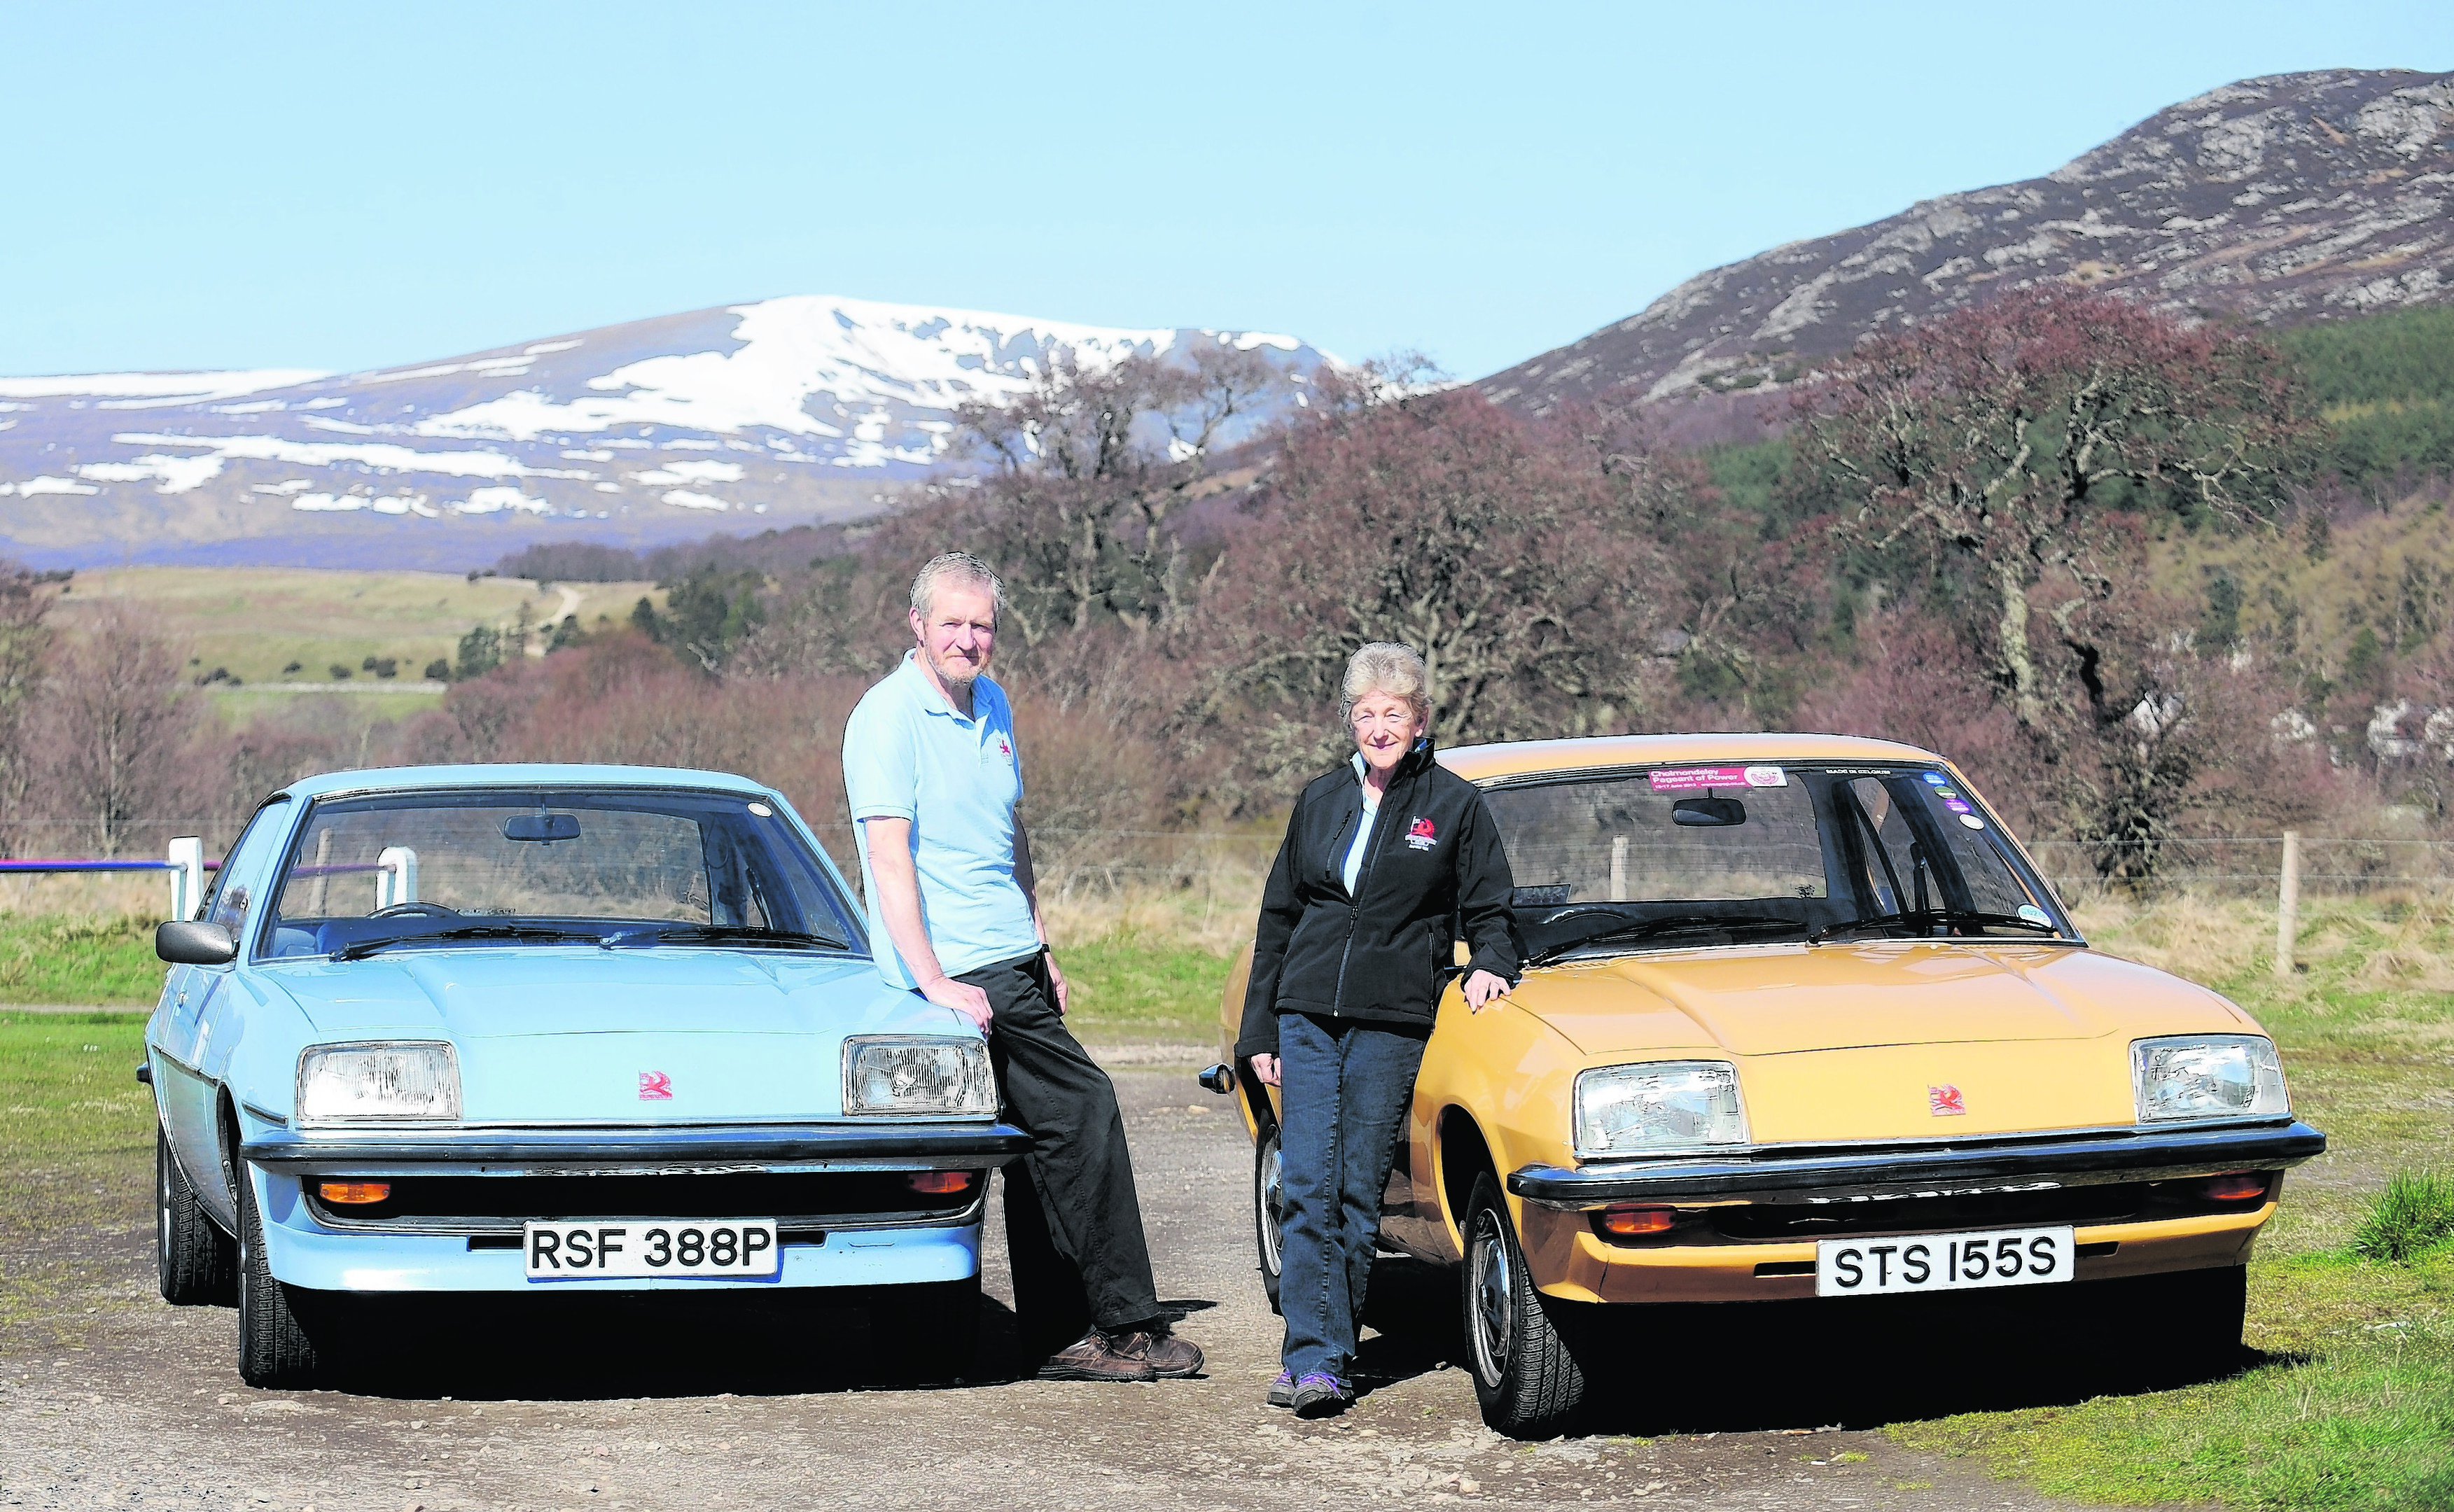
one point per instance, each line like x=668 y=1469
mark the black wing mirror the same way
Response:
x=1708 y=813
x=195 y=942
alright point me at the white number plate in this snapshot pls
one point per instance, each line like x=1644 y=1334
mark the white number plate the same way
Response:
x=730 y=1248
x=1943 y=1263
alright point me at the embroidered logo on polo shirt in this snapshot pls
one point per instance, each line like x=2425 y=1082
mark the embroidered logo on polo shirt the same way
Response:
x=1421 y=835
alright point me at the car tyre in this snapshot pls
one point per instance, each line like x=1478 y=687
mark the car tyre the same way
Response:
x=1269 y=1213
x=1526 y=1376
x=196 y=1262
x=931 y=1330
x=278 y=1350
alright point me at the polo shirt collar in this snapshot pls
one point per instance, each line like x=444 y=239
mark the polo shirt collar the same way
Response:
x=930 y=698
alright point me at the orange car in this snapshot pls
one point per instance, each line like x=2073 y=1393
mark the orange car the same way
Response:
x=1800 y=1019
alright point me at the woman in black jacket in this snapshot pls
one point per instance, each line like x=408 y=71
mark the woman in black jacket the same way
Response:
x=1386 y=859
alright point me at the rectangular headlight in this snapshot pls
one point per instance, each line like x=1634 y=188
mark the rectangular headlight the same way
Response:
x=1658 y=1109
x=917 y=1076
x=380 y=1081
x=2207 y=1076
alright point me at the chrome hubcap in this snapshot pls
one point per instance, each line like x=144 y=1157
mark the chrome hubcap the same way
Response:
x=1494 y=1298
x=1270 y=1205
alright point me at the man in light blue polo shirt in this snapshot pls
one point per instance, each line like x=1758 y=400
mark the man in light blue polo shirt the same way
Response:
x=934 y=775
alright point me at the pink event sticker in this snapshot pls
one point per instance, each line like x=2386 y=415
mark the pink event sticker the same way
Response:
x=1692 y=780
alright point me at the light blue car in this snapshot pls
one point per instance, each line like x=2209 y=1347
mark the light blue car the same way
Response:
x=552 y=1028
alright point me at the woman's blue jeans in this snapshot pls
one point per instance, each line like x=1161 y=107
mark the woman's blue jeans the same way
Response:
x=1342 y=1090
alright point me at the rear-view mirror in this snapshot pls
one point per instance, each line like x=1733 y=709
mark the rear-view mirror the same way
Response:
x=547 y=827
x=195 y=942
x=1708 y=813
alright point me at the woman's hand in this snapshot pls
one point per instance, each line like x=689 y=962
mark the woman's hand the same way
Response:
x=1481 y=989
x=1266 y=1069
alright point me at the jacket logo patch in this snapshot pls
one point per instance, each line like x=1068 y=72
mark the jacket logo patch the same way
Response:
x=1421 y=835
x=1944 y=1101
x=655 y=1086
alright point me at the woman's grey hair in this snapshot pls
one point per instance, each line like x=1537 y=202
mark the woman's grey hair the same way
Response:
x=1384 y=666
x=963 y=568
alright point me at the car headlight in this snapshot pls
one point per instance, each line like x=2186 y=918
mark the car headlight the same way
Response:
x=378 y=1081
x=916 y=1076
x=1658 y=1109
x=2207 y=1077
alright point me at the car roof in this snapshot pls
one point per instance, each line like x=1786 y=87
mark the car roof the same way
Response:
x=517 y=774
x=1514 y=758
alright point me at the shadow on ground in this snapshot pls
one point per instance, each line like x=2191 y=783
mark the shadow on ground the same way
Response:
x=1853 y=1364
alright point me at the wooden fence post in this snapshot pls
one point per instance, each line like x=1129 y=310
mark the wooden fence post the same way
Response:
x=2287 y=906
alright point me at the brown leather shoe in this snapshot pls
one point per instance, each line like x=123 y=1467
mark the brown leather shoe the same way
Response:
x=1168 y=1357
x=1096 y=1356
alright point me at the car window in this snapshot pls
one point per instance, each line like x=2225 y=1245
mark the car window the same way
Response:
x=226 y=903
x=1630 y=838
x=373 y=865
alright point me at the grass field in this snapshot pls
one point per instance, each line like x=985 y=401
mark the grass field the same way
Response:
x=255 y=622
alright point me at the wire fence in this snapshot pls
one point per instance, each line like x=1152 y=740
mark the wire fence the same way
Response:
x=2251 y=864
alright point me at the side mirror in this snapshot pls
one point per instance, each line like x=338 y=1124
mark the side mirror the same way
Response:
x=1217 y=1078
x=195 y=942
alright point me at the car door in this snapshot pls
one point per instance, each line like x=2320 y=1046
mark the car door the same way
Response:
x=197 y=1008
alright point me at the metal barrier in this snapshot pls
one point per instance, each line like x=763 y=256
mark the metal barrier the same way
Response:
x=186 y=865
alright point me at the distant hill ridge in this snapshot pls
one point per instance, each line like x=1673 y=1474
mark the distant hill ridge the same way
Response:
x=771 y=414
x=2288 y=199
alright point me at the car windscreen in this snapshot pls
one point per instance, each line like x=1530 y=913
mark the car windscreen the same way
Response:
x=611 y=866
x=1680 y=857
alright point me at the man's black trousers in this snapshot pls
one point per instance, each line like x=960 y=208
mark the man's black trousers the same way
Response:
x=1072 y=1220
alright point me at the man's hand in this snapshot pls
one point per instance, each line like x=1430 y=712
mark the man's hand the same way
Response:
x=1055 y=979
x=1482 y=989
x=1266 y=1069
x=961 y=996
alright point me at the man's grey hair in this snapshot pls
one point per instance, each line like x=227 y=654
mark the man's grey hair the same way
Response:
x=1384 y=666
x=963 y=568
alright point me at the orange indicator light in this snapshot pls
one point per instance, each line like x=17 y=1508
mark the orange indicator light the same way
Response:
x=2238 y=1187
x=939 y=1183
x=354 y=1193
x=1630 y=1222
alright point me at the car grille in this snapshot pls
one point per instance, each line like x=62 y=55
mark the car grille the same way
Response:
x=801 y=1202
x=1790 y=1222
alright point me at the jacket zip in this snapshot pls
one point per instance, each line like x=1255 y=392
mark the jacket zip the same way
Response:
x=1355 y=903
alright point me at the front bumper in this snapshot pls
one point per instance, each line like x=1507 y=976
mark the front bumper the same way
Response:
x=1888 y=1187
x=1853 y=1173
x=640 y=1149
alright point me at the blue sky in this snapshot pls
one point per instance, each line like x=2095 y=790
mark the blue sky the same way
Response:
x=347 y=186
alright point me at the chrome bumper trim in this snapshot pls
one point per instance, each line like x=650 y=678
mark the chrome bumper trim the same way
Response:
x=1810 y=1176
x=637 y=1150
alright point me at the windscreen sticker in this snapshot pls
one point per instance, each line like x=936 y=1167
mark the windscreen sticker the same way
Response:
x=2034 y=915
x=1937 y=779
x=1972 y=821
x=1946 y=793
x=1692 y=780
x=1957 y=807
x=1767 y=778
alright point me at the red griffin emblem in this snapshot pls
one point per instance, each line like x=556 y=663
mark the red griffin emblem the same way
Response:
x=1942 y=1102
x=1421 y=835
x=1004 y=747
x=655 y=1086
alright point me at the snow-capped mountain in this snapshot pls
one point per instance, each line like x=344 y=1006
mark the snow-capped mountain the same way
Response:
x=737 y=418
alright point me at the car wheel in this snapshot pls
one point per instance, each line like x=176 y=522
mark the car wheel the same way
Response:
x=929 y=1331
x=1526 y=1378
x=277 y=1349
x=197 y=1264
x=1269 y=1211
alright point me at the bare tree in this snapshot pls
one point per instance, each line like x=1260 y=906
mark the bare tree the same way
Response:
x=24 y=639
x=118 y=726
x=2003 y=464
x=1092 y=470
x=1495 y=548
